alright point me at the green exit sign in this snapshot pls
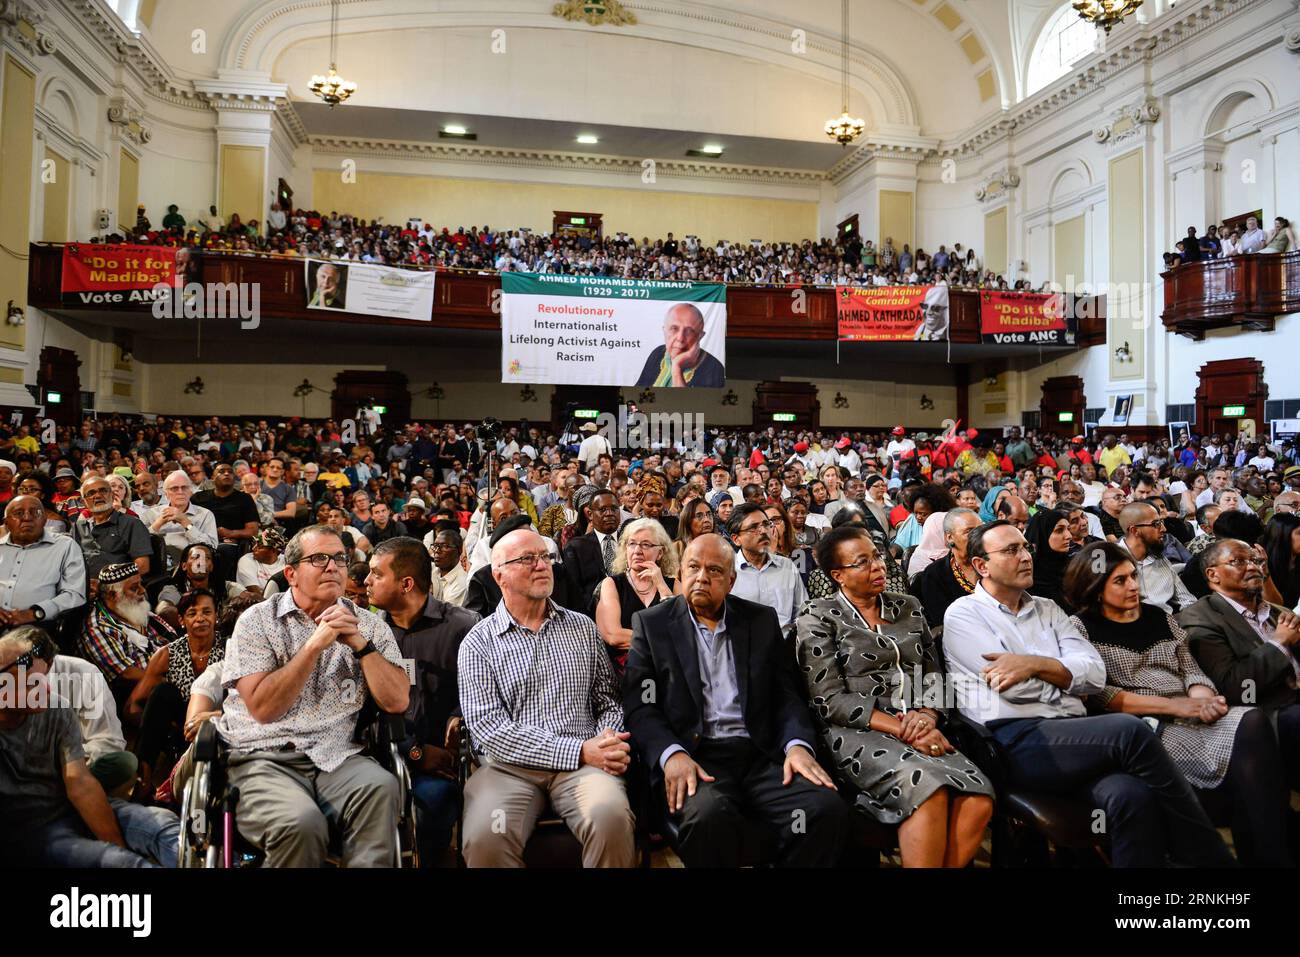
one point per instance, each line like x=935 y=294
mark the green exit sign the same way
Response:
x=1065 y=417
x=578 y=220
x=586 y=413
x=1234 y=411
x=381 y=409
x=783 y=416
x=53 y=398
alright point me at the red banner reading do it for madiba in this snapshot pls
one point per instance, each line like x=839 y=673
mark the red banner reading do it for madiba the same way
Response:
x=1023 y=317
x=91 y=267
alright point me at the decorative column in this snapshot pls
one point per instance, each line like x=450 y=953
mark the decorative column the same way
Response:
x=246 y=103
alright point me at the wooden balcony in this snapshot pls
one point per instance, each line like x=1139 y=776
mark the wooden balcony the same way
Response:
x=1243 y=291
x=464 y=300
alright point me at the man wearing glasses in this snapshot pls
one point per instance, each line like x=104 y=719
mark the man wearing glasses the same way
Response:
x=761 y=574
x=299 y=668
x=588 y=558
x=541 y=702
x=1246 y=645
x=1144 y=539
x=1020 y=667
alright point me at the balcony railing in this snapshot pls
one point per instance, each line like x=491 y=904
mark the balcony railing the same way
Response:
x=464 y=299
x=1245 y=291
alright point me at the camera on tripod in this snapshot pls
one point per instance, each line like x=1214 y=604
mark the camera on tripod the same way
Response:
x=489 y=430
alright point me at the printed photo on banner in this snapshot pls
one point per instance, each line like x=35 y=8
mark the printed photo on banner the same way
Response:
x=1024 y=318
x=600 y=330
x=369 y=289
x=892 y=313
x=326 y=285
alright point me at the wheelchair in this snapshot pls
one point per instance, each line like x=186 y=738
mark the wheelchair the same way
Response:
x=209 y=804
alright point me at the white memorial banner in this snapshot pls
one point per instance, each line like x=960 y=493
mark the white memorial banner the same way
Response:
x=369 y=289
x=598 y=330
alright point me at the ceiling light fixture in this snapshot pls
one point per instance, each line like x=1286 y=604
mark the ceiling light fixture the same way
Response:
x=844 y=129
x=591 y=139
x=1106 y=13
x=333 y=89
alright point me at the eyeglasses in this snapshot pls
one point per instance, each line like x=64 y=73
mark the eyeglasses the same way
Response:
x=861 y=563
x=768 y=525
x=320 y=560
x=1241 y=563
x=1011 y=551
x=443 y=546
x=1158 y=523
x=529 y=560
x=642 y=546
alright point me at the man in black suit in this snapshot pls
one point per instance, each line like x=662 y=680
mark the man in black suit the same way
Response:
x=713 y=702
x=1246 y=645
x=587 y=558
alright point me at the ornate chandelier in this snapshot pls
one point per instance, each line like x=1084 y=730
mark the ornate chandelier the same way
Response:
x=844 y=129
x=332 y=88
x=1106 y=13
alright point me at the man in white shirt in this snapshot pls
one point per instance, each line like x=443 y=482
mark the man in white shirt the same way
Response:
x=1253 y=239
x=762 y=575
x=179 y=522
x=1144 y=539
x=899 y=445
x=1020 y=667
x=82 y=686
x=848 y=457
x=593 y=447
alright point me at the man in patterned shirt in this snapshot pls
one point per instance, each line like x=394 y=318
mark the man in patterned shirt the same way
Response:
x=120 y=634
x=541 y=703
x=299 y=667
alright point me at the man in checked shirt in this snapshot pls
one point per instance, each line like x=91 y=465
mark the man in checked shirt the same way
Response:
x=543 y=709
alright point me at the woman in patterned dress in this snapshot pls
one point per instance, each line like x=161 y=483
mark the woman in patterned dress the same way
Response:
x=160 y=697
x=871 y=665
x=1150 y=672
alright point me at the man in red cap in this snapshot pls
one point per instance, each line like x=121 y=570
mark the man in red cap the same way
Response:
x=899 y=445
x=847 y=456
x=801 y=457
x=1078 y=453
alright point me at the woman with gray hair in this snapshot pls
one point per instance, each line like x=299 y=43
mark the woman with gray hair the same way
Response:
x=643 y=574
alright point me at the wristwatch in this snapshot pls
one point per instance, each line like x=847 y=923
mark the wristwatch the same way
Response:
x=37 y=612
x=364 y=650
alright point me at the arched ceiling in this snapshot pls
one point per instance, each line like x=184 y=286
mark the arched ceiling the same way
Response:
x=731 y=67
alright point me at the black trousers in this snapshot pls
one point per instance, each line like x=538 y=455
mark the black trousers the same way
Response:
x=160 y=723
x=1255 y=789
x=809 y=823
x=1117 y=763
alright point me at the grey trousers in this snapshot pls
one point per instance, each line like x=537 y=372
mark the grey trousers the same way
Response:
x=503 y=801
x=287 y=806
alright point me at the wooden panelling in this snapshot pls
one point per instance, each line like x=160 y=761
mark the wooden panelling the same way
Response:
x=1247 y=291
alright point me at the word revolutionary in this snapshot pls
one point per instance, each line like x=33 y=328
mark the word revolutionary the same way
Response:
x=77 y=910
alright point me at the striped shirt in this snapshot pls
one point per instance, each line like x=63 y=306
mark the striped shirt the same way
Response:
x=531 y=698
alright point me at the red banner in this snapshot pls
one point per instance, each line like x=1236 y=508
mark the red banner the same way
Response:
x=96 y=268
x=892 y=313
x=1029 y=318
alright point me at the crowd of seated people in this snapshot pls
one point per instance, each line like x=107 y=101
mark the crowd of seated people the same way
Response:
x=1115 y=616
x=344 y=236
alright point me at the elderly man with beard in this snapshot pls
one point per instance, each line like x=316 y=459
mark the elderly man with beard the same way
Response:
x=300 y=667
x=107 y=536
x=120 y=634
x=41 y=576
x=1144 y=539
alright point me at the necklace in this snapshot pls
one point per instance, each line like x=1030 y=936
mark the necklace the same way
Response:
x=956 y=573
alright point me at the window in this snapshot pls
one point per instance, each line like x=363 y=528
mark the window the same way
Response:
x=1064 y=42
x=127 y=10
